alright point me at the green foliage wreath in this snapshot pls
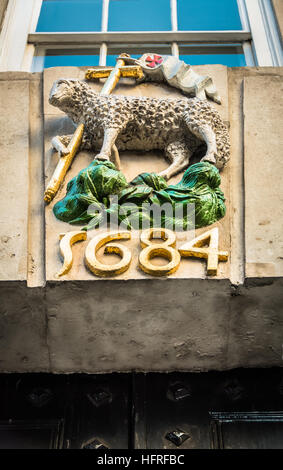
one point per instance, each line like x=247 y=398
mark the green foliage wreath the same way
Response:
x=100 y=190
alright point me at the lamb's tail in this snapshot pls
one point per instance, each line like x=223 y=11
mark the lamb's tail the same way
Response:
x=223 y=147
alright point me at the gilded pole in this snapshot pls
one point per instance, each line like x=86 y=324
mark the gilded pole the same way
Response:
x=63 y=165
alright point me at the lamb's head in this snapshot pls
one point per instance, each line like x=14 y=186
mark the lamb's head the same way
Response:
x=66 y=93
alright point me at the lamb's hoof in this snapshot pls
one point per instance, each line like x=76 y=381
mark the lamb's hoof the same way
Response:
x=164 y=175
x=102 y=156
x=209 y=159
x=59 y=147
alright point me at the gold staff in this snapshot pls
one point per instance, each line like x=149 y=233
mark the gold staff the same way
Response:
x=65 y=161
x=114 y=74
x=63 y=165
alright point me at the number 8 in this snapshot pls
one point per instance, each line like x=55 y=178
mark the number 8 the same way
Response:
x=165 y=250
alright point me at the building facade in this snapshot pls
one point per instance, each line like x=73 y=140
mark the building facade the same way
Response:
x=183 y=324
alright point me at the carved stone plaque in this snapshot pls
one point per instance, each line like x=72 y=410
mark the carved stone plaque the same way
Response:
x=133 y=163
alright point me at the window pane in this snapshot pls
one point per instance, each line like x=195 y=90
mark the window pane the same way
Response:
x=70 y=15
x=65 y=57
x=75 y=60
x=211 y=15
x=230 y=60
x=231 y=56
x=139 y=15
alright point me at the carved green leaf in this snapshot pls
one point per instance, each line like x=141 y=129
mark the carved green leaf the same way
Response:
x=89 y=199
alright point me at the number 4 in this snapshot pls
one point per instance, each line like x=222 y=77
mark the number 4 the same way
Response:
x=211 y=253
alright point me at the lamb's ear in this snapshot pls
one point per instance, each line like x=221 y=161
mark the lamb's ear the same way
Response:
x=67 y=81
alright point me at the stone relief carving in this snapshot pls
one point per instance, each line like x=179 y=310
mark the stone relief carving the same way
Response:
x=177 y=126
x=196 y=201
x=176 y=73
x=180 y=127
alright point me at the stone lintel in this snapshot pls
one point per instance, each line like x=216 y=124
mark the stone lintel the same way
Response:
x=165 y=326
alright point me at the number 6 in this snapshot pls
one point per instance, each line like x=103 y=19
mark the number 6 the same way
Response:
x=97 y=242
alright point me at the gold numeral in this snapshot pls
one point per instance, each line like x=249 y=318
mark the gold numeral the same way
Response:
x=165 y=250
x=196 y=249
x=67 y=240
x=100 y=269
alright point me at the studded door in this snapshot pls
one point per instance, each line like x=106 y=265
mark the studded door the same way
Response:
x=235 y=409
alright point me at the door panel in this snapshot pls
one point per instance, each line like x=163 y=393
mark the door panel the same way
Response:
x=24 y=435
x=239 y=409
x=254 y=430
x=101 y=412
x=253 y=435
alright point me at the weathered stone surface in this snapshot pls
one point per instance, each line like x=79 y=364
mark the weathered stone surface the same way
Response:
x=23 y=329
x=256 y=325
x=14 y=181
x=169 y=325
x=36 y=228
x=263 y=138
x=123 y=326
x=143 y=325
x=278 y=8
x=236 y=195
x=236 y=76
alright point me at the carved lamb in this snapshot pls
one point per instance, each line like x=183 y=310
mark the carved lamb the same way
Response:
x=178 y=126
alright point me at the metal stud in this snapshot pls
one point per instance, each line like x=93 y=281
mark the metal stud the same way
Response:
x=94 y=444
x=234 y=390
x=39 y=396
x=99 y=397
x=178 y=437
x=178 y=391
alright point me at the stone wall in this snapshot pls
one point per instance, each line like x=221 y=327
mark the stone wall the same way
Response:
x=188 y=322
x=278 y=9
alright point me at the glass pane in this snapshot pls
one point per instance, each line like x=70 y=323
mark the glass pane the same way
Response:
x=211 y=15
x=231 y=56
x=60 y=58
x=70 y=15
x=230 y=60
x=139 y=15
x=75 y=60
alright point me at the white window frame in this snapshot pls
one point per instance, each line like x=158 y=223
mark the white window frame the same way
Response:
x=19 y=40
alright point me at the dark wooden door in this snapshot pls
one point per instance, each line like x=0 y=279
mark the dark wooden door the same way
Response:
x=229 y=410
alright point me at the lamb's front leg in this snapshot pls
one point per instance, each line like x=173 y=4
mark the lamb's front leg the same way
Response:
x=110 y=136
x=61 y=143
